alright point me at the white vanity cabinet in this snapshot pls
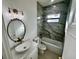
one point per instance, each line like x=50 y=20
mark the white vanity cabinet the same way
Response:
x=33 y=54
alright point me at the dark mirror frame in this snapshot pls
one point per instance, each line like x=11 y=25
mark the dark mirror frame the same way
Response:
x=19 y=39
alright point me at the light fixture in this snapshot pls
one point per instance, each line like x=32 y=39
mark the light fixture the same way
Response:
x=14 y=13
x=52 y=0
x=9 y=10
x=22 y=12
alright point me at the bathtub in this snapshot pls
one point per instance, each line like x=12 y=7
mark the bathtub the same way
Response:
x=53 y=45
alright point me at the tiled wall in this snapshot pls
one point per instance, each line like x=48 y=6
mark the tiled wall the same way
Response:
x=60 y=26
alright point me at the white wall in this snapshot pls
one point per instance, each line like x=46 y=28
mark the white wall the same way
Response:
x=6 y=54
x=69 y=51
x=29 y=7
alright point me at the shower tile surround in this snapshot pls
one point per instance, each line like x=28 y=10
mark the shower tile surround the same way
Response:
x=55 y=28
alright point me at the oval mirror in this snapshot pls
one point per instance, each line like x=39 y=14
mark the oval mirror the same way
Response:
x=16 y=30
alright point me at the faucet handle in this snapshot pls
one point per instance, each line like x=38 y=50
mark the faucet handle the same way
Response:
x=36 y=39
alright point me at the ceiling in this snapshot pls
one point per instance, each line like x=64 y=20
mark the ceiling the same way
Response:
x=48 y=2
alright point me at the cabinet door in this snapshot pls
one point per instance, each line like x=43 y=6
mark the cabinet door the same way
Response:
x=34 y=54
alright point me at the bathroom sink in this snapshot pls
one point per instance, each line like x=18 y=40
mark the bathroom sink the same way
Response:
x=23 y=47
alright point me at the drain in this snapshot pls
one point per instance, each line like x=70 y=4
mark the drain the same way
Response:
x=24 y=47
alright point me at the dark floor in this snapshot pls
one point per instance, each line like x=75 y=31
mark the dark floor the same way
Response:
x=48 y=55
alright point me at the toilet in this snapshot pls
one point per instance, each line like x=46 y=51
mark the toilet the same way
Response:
x=42 y=48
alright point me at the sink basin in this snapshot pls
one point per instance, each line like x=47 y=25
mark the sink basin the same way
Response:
x=23 y=47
